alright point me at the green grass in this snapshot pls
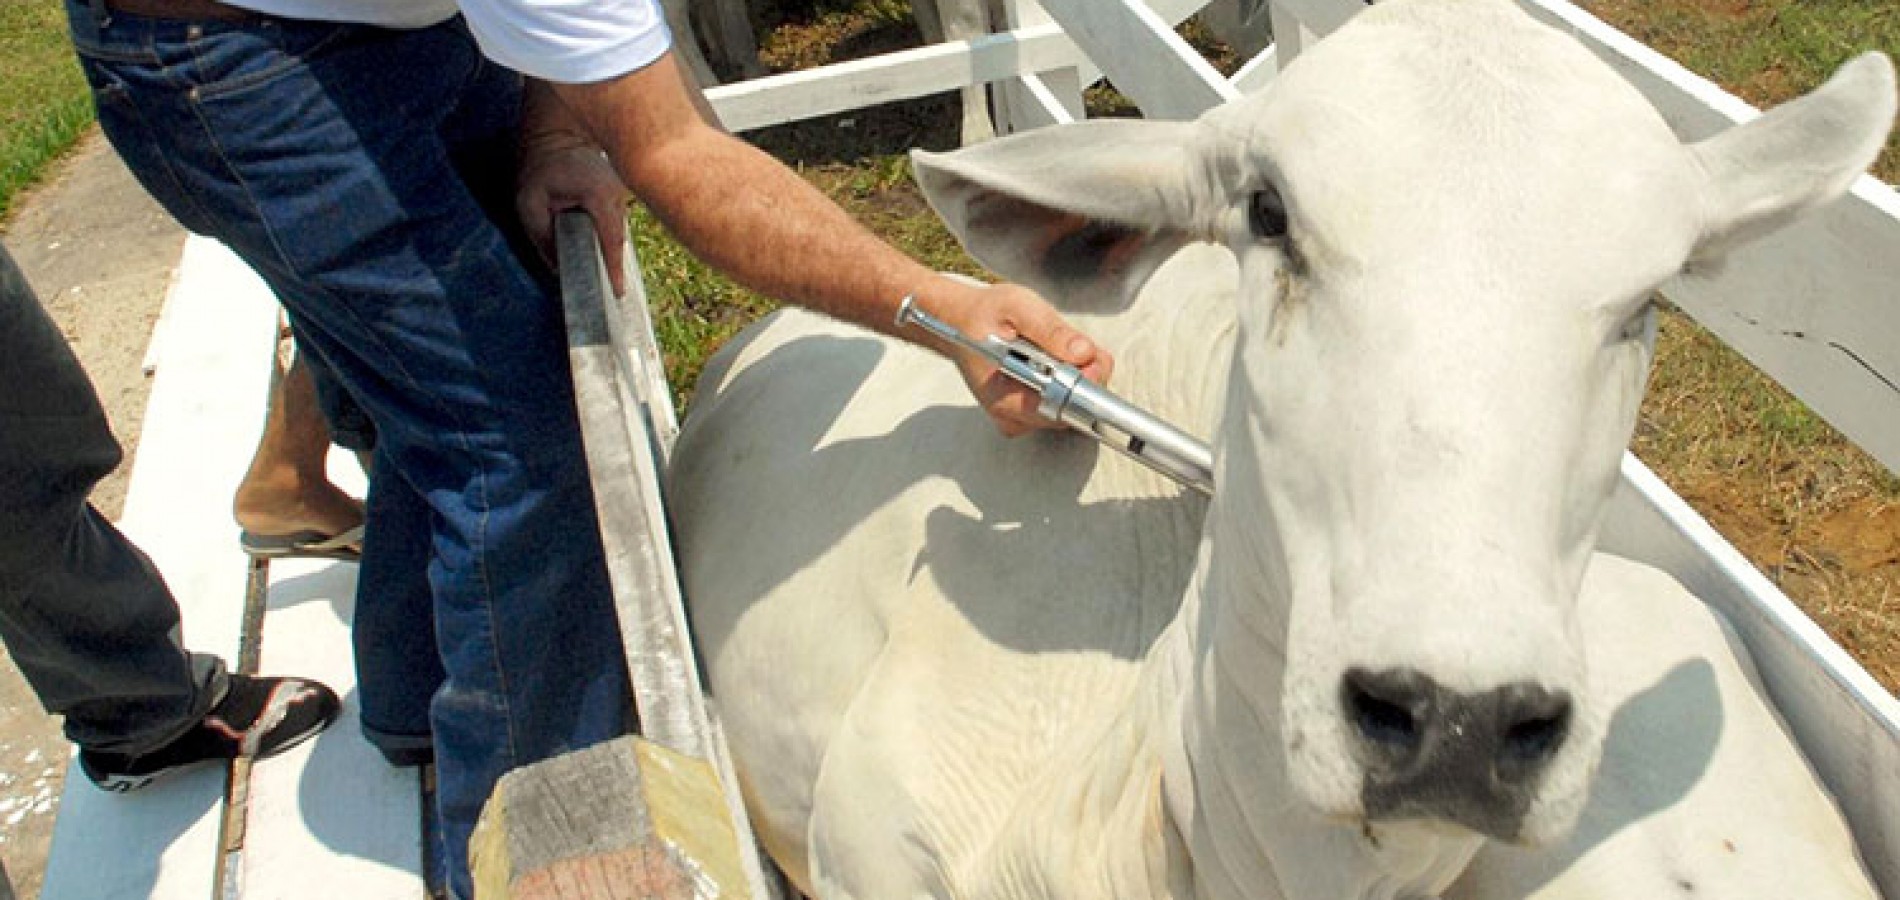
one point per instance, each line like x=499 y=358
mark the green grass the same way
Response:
x=696 y=309
x=1764 y=51
x=43 y=99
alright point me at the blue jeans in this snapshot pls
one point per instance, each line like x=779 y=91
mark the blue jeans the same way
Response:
x=362 y=172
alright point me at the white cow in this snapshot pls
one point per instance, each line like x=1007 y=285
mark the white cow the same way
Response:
x=1406 y=290
x=1701 y=793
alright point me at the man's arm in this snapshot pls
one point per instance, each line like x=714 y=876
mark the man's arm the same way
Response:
x=751 y=217
x=563 y=168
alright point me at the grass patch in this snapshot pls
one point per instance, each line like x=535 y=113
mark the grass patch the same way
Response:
x=1764 y=51
x=44 y=104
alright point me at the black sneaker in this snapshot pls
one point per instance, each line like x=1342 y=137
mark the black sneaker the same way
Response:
x=257 y=717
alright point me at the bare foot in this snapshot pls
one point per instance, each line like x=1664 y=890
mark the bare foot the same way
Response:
x=287 y=489
x=285 y=504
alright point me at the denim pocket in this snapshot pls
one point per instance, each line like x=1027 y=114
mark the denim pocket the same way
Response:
x=229 y=58
x=126 y=110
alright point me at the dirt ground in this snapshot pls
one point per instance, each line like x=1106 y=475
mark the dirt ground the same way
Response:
x=99 y=253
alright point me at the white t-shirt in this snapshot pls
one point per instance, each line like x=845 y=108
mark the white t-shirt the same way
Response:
x=568 y=41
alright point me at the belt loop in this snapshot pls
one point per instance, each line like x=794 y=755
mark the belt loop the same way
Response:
x=101 y=16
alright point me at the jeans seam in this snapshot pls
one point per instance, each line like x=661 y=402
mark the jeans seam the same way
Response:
x=250 y=196
x=488 y=610
x=229 y=86
x=165 y=163
x=101 y=53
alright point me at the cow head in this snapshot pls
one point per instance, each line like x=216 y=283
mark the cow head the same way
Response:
x=1449 y=221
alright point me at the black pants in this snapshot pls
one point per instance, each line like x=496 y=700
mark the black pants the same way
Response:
x=83 y=612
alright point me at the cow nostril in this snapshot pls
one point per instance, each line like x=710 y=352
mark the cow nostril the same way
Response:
x=1534 y=739
x=1535 y=733
x=1380 y=709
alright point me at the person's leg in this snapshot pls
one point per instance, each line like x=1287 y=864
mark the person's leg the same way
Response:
x=394 y=631
x=84 y=613
x=287 y=499
x=317 y=153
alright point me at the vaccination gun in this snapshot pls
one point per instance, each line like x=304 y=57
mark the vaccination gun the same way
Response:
x=1083 y=405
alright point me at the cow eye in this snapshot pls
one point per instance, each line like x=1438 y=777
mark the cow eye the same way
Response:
x=1266 y=215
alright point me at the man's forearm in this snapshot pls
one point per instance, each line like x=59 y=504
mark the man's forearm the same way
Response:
x=710 y=188
x=753 y=218
x=799 y=246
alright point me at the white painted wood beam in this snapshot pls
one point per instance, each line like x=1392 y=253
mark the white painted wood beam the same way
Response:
x=1139 y=51
x=1036 y=105
x=1257 y=72
x=1035 y=99
x=1321 y=17
x=331 y=805
x=905 y=75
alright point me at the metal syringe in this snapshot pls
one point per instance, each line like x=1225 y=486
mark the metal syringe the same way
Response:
x=1083 y=405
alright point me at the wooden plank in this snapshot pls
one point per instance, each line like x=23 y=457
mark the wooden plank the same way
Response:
x=1846 y=723
x=331 y=806
x=633 y=526
x=1032 y=103
x=1319 y=17
x=1173 y=12
x=620 y=393
x=906 y=75
x=909 y=74
x=624 y=820
x=1813 y=304
x=1035 y=99
x=1143 y=56
x=1257 y=72
x=201 y=426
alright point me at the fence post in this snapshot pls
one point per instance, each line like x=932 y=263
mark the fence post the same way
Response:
x=1023 y=103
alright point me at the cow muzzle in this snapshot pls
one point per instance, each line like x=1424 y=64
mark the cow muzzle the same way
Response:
x=1430 y=753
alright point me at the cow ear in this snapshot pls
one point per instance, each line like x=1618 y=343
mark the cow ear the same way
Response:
x=1082 y=213
x=1799 y=155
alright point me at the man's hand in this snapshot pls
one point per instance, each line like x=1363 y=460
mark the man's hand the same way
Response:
x=1009 y=311
x=562 y=171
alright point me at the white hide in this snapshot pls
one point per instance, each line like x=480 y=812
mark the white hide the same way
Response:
x=1701 y=793
x=956 y=665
